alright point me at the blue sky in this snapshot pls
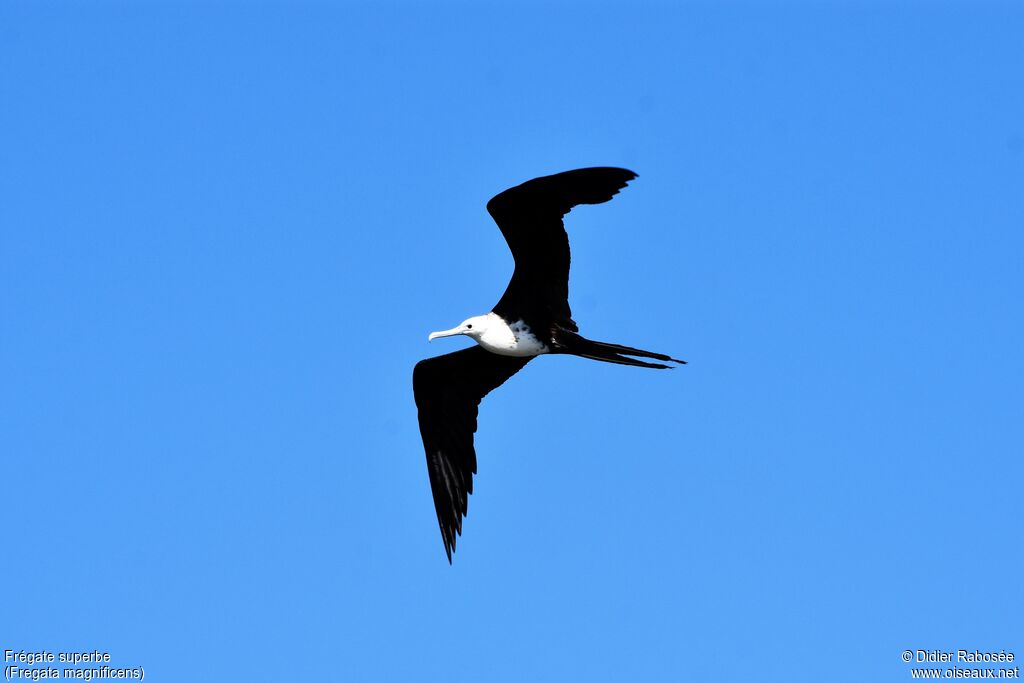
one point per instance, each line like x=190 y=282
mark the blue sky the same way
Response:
x=227 y=229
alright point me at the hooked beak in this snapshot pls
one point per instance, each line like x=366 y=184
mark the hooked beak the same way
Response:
x=446 y=333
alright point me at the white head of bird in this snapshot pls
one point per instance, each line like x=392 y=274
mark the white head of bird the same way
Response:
x=471 y=327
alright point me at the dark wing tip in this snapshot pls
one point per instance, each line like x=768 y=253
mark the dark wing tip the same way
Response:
x=614 y=171
x=606 y=181
x=449 y=543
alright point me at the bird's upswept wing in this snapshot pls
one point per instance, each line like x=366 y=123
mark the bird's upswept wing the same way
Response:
x=448 y=390
x=530 y=218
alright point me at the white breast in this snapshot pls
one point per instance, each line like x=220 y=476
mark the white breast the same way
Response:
x=510 y=340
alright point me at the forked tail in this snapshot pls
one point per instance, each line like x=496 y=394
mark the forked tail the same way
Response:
x=611 y=353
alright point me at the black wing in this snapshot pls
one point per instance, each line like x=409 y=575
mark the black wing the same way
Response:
x=448 y=390
x=530 y=218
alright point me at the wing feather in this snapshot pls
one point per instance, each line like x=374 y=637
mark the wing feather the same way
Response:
x=448 y=390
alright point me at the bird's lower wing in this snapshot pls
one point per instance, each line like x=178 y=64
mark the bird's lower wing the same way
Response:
x=448 y=390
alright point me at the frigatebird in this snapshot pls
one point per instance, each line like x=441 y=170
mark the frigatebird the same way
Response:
x=531 y=318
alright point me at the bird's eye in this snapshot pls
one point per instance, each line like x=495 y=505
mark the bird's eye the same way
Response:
x=469 y=327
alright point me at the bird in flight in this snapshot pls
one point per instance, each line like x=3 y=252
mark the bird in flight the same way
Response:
x=531 y=318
